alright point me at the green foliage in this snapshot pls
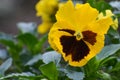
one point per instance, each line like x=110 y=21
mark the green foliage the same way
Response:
x=108 y=51
x=74 y=75
x=24 y=75
x=39 y=45
x=4 y=67
x=29 y=57
x=100 y=5
x=28 y=40
x=51 y=56
x=50 y=71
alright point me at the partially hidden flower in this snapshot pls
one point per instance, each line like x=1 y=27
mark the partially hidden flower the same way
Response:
x=46 y=9
x=78 y=34
x=108 y=13
x=44 y=27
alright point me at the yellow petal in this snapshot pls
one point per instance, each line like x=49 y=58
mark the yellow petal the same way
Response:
x=115 y=24
x=108 y=13
x=66 y=13
x=54 y=34
x=85 y=14
x=77 y=16
x=44 y=27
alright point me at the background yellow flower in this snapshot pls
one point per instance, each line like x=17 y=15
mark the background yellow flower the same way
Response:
x=45 y=26
x=46 y=9
x=108 y=13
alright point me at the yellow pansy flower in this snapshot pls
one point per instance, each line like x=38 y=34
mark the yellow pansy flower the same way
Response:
x=46 y=9
x=108 y=13
x=78 y=34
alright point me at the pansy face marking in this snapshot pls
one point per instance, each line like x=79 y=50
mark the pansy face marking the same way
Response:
x=78 y=33
x=75 y=46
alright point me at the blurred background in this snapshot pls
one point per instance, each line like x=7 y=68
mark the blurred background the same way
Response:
x=14 y=11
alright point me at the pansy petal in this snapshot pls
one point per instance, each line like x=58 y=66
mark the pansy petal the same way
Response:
x=66 y=13
x=54 y=38
x=77 y=16
x=80 y=63
x=96 y=48
x=59 y=29
x=85 y=14
x=108 y=13
x=101 y=26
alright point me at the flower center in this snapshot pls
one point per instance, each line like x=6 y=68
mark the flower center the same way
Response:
x=78 y=35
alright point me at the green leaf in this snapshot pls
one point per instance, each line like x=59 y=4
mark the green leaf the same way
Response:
x=102 y=6
x=35 y=59
x=49 y=48
x=74 y=75
x=118 y=15
x=104 y=76
x=3 y=54
x=51 y=56
x=12 y=48
x=39 y=45
x=4 y=67
x=29 y=27
x=112 y=37
x=4 y=36
x=11 y=45
x=92 y=3
x=8 y=43
x=13 y=75
x=115 y=4
x=108 y=50
x=115 y=71
x=116 y=67
x=7 y=40
x=108 y=62
x=29 y=40
x=50 y=71
x=91 y=68
x=113 y=32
